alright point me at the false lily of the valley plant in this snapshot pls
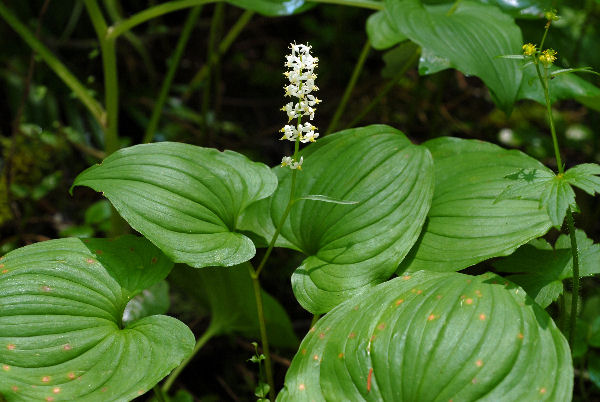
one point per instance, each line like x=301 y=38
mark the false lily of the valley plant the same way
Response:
x=383 y=225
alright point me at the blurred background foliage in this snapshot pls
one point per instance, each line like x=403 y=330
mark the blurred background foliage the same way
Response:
x=48 y=137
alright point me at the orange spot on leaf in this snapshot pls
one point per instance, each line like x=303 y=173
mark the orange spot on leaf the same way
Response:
x=99 y=252
x=520 y=336
x=469 y=301
x=341 y=355
x=71 y=376
x=352 y=335
x=301 y=387
x=67 y=347
x=399 y=302
x=46 y=288
x=406 y=277
x=321 y=335
x=479 y=363
x=316 y=357
x=49 y=398
x=381 y=326
x=482 y=317
x=10 y=346
x=542 y=390
x=369 y=379
x=5 y=271
x=46 y=378
x=153 y=261
x=56 y=390
x=5 y=367
x=431 y=317
x=14 y=388
x=89 y=260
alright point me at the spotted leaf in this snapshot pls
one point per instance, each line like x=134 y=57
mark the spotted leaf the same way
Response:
x=61 y=331
x=433 y=337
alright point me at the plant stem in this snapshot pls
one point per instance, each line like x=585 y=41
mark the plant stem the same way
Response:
x=350 y=87
x=173 y=65
x=82 y=93
x=575 y=291
x=223 y=47
x=570 y=223
x=212 y=330
x=263 y=330
x=387 y=88
x=153 y=12
x=159 y=394
x=111 y=86
x=371 y=5
x=314 y=320
x=217 y=18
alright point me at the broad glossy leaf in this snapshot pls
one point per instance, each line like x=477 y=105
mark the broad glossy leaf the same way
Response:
x=471 y=38
x=465 y=224
x=430 y=63
x=273 y=8
x=381 y=32
x=563 y=86
x=229 y=296
x=61 y=305
x=183 y=198
x=516 y=8
x=349 y=248
x=541 y=269
x=433 y=337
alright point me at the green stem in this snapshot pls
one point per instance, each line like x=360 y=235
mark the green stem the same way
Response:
x=111 y=86
x=263 y=330
x=159 y=394
x=115 y=15
x=174 y=64
x=82 y=93
x=153 y=12
x=314 y=320
x=371 y=5
x=570 y=222
x=217 y=18
x=575 y=292
x=387 y=88
x=350 y=87
x=233 y=33
x=212 y=330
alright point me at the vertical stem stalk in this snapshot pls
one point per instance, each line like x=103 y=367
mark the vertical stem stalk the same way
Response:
x=174 y=64
x=263 y=331
x=350 y=87
x=212 y=330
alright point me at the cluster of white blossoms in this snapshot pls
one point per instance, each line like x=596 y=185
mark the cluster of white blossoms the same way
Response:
x=302 y=77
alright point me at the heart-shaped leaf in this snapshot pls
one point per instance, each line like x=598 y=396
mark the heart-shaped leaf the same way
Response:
x=433 y=337
x=382 y=32
x=465 y=224
x=456 y=34
x=183 y=198
x=61 y=305
x=349 y=248
x=228 y=295
x=151 y=301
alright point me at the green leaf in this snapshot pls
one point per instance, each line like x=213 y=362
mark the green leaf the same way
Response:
x=557 y=196
x=381 y=31
x=429 y=63
x=541 y=270
x=98 y=212
x=465 y=225
x=459 y=37
x=273 y=8
x=349 y=248
x=433 y=337
x=396 y=59
x=185 y=199
x=228 y=295
x=594 y=368
x=585 y=176
x=61 y=304
x=563 y=86
x=151 y=301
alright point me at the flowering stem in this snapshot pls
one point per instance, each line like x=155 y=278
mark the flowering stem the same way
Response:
x=174 y=63
x=350 y=87
x=545 y=82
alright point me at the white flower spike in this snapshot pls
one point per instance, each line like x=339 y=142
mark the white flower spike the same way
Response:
x=301 y=77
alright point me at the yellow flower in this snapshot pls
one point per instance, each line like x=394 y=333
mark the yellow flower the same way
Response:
x=529 y=49
x=548 y=57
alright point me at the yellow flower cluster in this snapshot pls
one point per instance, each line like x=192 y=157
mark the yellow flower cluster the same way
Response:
x=529 y=49
x=548 y=57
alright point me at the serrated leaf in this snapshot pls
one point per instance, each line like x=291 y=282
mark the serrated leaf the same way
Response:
x=185 y=199
x=541 y=271
x=557 y=196
x=61 y=304
x=228 y=295
x=381 y=32
x=349 y=248
x=465 y=225
x=433 y=336
x=585 y=177
x=458 y=36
